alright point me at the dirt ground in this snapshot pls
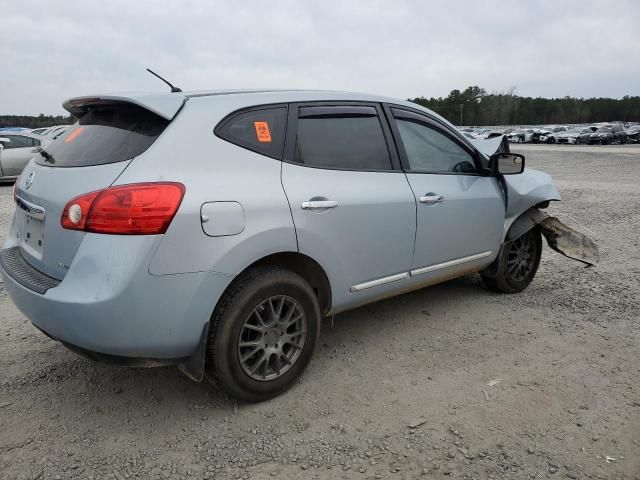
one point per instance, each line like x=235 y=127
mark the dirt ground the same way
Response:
x=449 y=382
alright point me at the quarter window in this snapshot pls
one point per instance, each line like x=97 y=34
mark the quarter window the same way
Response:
x=259 y=130
x=349 y=138
x=429 y=150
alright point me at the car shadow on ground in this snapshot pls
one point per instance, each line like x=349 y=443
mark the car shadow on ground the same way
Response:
x=74 y=387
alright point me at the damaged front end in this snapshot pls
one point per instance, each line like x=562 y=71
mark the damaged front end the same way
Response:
x=560 y=237
x=524 y=195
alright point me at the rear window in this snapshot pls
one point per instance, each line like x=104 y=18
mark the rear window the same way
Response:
x=260 y=130
x=106 y=134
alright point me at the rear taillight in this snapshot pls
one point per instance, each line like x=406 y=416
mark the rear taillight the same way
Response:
x=135 y=209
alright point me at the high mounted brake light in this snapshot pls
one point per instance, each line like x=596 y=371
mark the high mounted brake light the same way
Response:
x=134 y=209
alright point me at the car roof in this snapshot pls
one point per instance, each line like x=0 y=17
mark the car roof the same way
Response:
x=167 y=104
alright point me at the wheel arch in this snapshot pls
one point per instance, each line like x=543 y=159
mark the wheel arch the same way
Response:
x=308 y=268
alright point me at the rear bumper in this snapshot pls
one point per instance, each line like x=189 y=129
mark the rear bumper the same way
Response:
x=109 y=306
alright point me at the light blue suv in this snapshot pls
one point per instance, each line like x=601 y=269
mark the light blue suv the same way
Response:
x=214 y=230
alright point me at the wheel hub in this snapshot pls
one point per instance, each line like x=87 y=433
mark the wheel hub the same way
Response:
x=272 y=338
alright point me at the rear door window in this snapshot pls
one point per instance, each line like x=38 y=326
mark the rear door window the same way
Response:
x=18 y=141
x=106 y=134
x=341 y=137
x=260 y=130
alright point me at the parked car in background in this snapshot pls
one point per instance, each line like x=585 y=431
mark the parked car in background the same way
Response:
x=520 y=135
x=16 y=149
x=51 y=132
x=550 y=135
x=40 y=131
x=13 y=129
x=538 y=133
x=619 y=133
x=574 y=136
x=608 y=134
x=633 y=134
x=57 y=132
x=285 y=207
x=603 y=135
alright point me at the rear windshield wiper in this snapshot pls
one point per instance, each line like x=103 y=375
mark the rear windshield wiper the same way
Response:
x=47 y=156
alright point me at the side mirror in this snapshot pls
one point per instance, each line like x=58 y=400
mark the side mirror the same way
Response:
x=506 y=163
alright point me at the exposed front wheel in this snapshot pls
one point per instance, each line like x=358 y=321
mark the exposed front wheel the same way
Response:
x=263 y=334
x=519 y=261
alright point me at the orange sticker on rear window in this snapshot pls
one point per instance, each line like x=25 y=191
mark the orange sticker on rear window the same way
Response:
x=262 y=131
x=73 y=135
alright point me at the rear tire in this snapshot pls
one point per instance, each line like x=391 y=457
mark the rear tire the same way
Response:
x=256 y=347
x=519 y=261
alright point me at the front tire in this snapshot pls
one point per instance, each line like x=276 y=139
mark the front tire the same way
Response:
x=519 y=261
x=263 y=334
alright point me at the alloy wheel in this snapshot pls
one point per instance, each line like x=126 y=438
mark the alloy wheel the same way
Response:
x=521 y=257
x=272 y=338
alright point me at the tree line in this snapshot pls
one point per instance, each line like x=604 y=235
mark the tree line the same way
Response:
x=472 y=106
x=30 y=121
x=475 y=107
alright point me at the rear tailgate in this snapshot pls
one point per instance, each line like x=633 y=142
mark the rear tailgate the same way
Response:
x=88 y=157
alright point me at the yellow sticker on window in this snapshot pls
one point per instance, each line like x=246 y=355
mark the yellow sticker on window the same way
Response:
x=262 y=131
x=73 y=135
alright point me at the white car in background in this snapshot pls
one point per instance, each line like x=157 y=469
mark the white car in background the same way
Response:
x=550 y=135
x=520 y=135
x=16 y=149
x=51 y=132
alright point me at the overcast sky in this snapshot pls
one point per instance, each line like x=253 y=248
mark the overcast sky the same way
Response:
x=53 y=50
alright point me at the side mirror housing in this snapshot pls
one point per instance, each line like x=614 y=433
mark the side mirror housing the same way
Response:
x=506 y=164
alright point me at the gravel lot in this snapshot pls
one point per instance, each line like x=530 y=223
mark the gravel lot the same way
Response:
x=398 y=389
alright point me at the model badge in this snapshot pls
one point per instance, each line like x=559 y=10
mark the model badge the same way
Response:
x=29 y=181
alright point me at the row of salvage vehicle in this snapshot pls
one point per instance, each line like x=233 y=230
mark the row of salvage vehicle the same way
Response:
x=603 y=134
x=19 y=145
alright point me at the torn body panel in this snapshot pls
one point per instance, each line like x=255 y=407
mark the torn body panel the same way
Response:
x=560 y=237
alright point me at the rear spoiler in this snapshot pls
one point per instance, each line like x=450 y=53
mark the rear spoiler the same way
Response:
x=166 y=105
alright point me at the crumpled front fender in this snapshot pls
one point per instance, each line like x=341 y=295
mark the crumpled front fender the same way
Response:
x=527 y=190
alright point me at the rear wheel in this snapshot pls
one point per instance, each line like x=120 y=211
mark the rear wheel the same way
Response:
x=262 y=334
x=519 y=261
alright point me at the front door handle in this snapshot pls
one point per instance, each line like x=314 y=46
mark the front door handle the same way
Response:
x=431 y=198
x=316 y=204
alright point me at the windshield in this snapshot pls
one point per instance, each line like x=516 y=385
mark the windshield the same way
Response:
x=603 y=130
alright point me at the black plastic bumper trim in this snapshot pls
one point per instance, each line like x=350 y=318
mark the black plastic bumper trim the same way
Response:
x=15 y=266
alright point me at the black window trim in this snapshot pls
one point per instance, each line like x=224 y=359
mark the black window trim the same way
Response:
x=437 y=125
x=292 y=132
x=217 y=130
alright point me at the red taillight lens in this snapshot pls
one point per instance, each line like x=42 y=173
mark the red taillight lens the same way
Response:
x=135 y=209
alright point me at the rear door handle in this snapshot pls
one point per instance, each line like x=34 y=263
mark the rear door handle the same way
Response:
x=316 y=204
x=431 y=198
